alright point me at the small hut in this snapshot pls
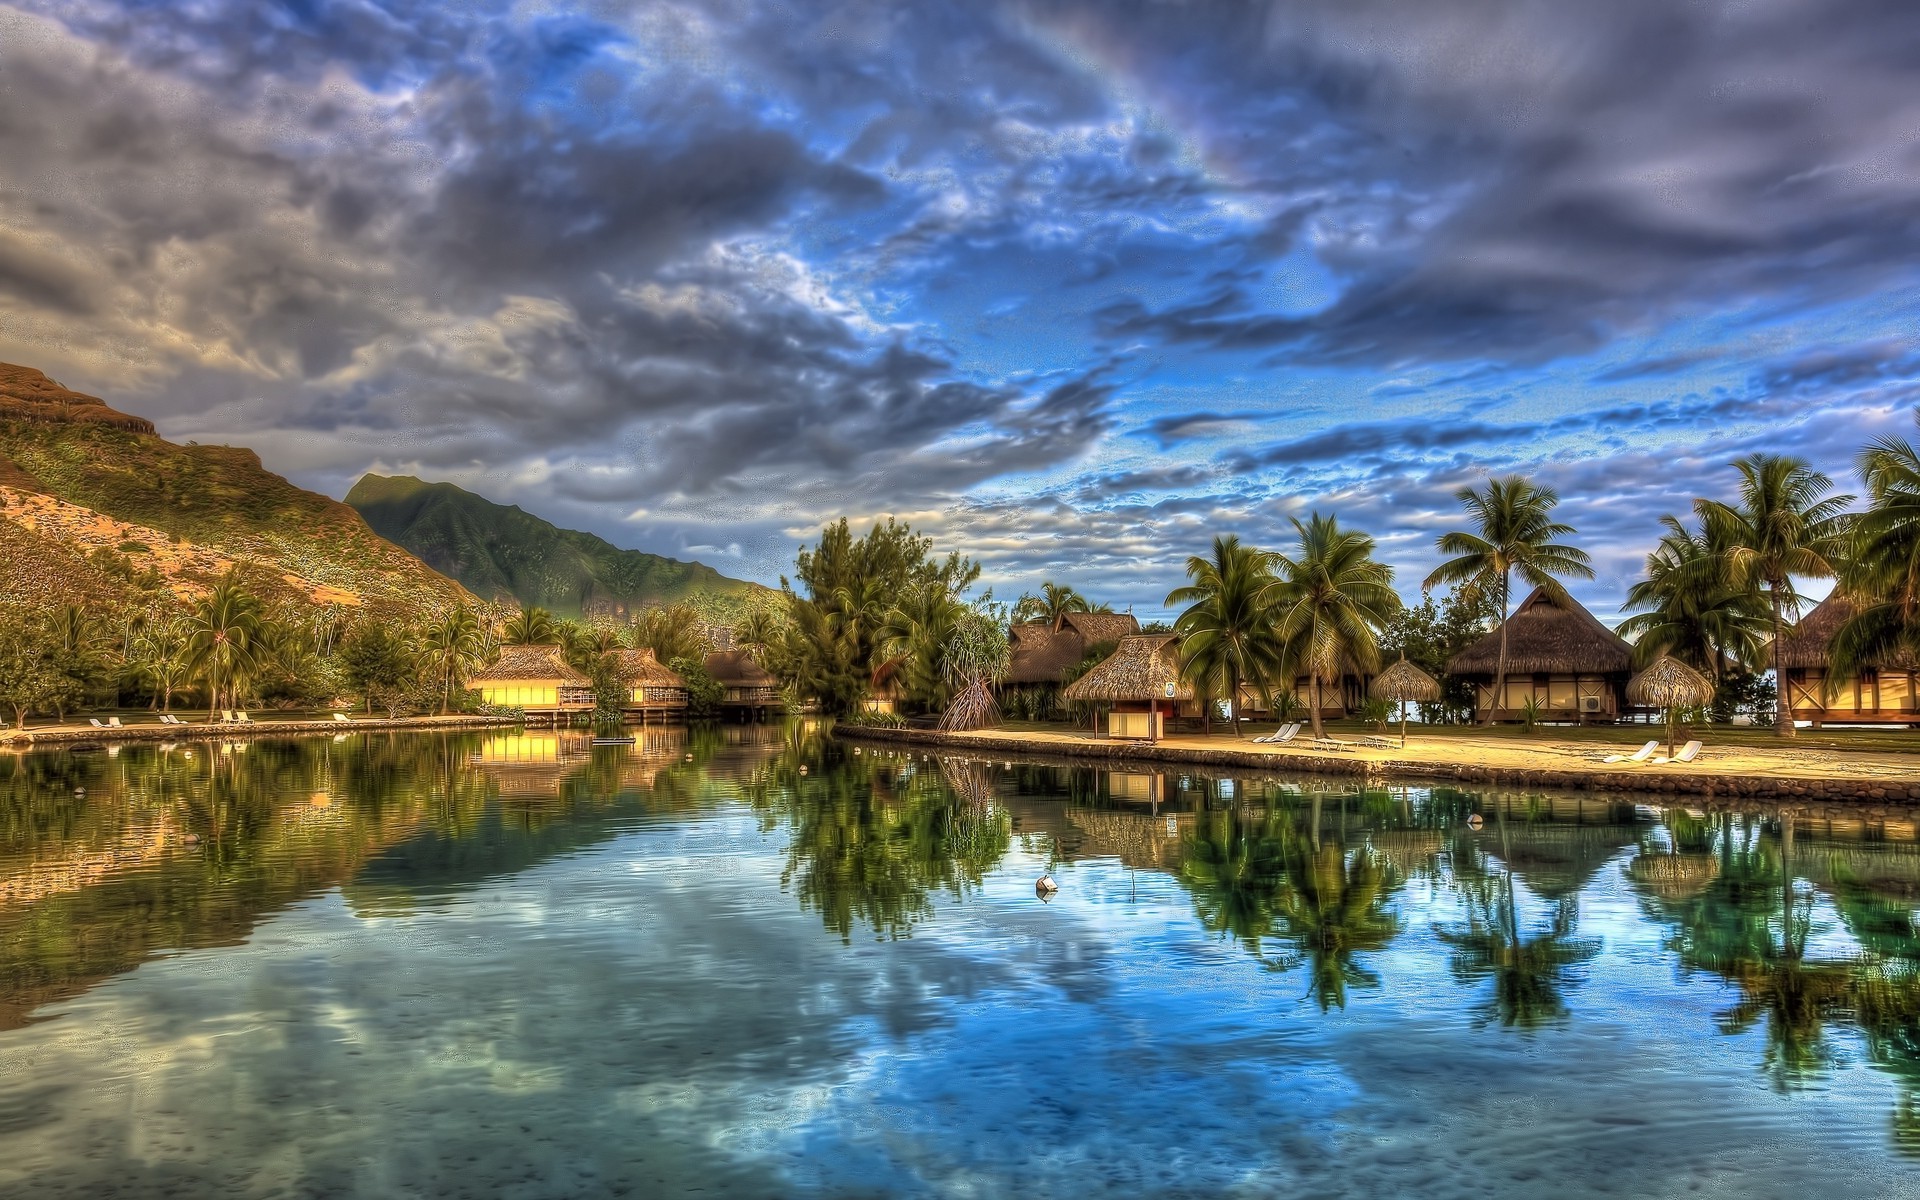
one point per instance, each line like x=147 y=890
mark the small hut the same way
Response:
x=1140 y=683
x=1042 y=652
x=651 y=687
x=1559 y=655
x=1883 y=694
x=536 y=679
x=747 y=687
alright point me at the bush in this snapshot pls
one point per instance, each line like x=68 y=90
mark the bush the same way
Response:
x=875 y=720
x=704 y=692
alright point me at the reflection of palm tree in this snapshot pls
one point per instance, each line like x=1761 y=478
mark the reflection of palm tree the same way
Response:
x=1530 y=970
x=1235 y=871
x=1334 y=907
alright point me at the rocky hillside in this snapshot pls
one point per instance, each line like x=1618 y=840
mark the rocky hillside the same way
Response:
x=503 y=552
x=94 y=504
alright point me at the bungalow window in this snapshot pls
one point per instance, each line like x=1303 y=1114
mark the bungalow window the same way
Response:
x=1896 y=692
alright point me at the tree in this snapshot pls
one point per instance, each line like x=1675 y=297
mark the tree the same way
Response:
x=161 y=655
x=975 y=658
x=30 y=680
x=1686 y=608
x=1786 y=524
x=1052 y=605
x=704 y=692
x=911 y=643
x=1332 y=601
x=1882 y=574
x=1514 y=533
x=75 y=649
x=224 y=643
x=453 y=648
x=531 y=626
x=380 y=667
x=1430 y=633
x=1226 y=633
x=671 y=633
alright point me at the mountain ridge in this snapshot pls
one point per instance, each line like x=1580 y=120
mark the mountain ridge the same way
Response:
x=503 y=552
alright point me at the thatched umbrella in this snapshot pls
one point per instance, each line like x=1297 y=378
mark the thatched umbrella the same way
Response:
x=1402 y=682
x=1670 y=684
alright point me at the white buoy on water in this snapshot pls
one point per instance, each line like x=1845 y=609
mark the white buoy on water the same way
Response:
x=1045 y=885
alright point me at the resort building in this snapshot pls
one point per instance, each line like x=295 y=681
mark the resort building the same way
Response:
x=1140 y=685
x=1559 y=657
x=1044 y=651
x=651 y=687
x=1880 y=695
x=748 y=687
x=536 y=679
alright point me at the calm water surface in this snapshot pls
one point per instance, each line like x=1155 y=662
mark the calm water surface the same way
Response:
x=748 y=962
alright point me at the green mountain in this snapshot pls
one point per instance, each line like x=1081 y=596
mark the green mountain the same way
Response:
x=505 y=553
x=95 y=507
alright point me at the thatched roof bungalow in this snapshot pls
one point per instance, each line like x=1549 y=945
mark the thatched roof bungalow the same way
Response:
x=536 y=679
x=651 y=687
x=1559 y=655
x=1881 y=695
x=749 y=687
x=1140 y=683
x=1043 y=652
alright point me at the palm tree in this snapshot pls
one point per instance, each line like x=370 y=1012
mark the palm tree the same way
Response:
x=1685 y=608
x=1786 y=525
x=912 y=640
x=1882 y=576
x=1515 y=533
x=161 y=656
x=531 y=626
x=1333 y=601
x=224 y=643
x=454 y=646
x=673 y=632
x=1052 y=605
x=1226 y=632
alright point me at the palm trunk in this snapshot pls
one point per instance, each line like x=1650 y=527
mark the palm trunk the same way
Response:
x=1500 y=664
x=1783 y=701
x=1313 y=699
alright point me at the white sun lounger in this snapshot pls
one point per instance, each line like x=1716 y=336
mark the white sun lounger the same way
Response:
x=1687 y=754
x=114 y=723
x=342 y=717
x=1285 y=733
x=1638 y=756
x=243 y=718
x=96 y=722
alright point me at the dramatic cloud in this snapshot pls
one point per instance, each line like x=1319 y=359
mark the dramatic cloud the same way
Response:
x=1073 y=285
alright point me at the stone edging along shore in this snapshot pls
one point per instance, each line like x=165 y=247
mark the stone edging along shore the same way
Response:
x=34 y=739
x=1665 y=782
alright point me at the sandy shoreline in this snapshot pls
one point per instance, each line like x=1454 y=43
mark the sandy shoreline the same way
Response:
x=1542 y=763
x=44 y=736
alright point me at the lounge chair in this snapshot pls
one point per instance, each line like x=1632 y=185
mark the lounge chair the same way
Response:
x=342 y=717
x=1687 y=754
x=96 y=722
x=1379 y=743
x=1285 y=733
x=170 y=719
x=226 y=715
x=243 y=718
x=1638 y=756
x=114 y=722
x=1336 y=744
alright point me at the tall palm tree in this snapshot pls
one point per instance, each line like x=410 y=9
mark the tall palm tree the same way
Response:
x=1333 y=600
x=531 y=626
x=911 y=642
x=454 y=646
x=224 y=636
x=1514 y=533
x=161 y=654
x=1226 y=632
x=1685 y=608
x=1882 y=576
x=1787 y=524
x=1052 y=605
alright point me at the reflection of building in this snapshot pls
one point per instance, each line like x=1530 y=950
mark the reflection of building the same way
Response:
x=747 y=686
x=1559 y=657
x=1881 y=694
x=536 y=679
x=1146 y=789
x=651 y=688
x=530 y=763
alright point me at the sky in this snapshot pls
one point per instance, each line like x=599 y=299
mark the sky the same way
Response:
x=1072 y=287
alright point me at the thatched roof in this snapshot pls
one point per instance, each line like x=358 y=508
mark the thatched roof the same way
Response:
x=1804 y=647
x=639 y=668
x=1668 y=683
x=736 y=668
x=1042 y=654
x=1546 y=637
x=1404 y=681
x=522 y=664
x=1140 y=669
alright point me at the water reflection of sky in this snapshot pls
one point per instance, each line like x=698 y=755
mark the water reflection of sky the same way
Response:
x=648 y=1012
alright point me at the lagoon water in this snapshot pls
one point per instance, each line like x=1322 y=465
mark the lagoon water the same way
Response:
x=747 y=961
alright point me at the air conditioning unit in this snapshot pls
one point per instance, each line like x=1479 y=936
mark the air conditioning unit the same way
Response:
x=1590 y=704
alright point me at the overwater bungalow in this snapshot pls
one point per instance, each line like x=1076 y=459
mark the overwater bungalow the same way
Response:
x=1882 y=694
x=1044 y=651
x=1140 y=685
x=652 y=689
x=1559 y=655
x=749 y=687
x=536 y=679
